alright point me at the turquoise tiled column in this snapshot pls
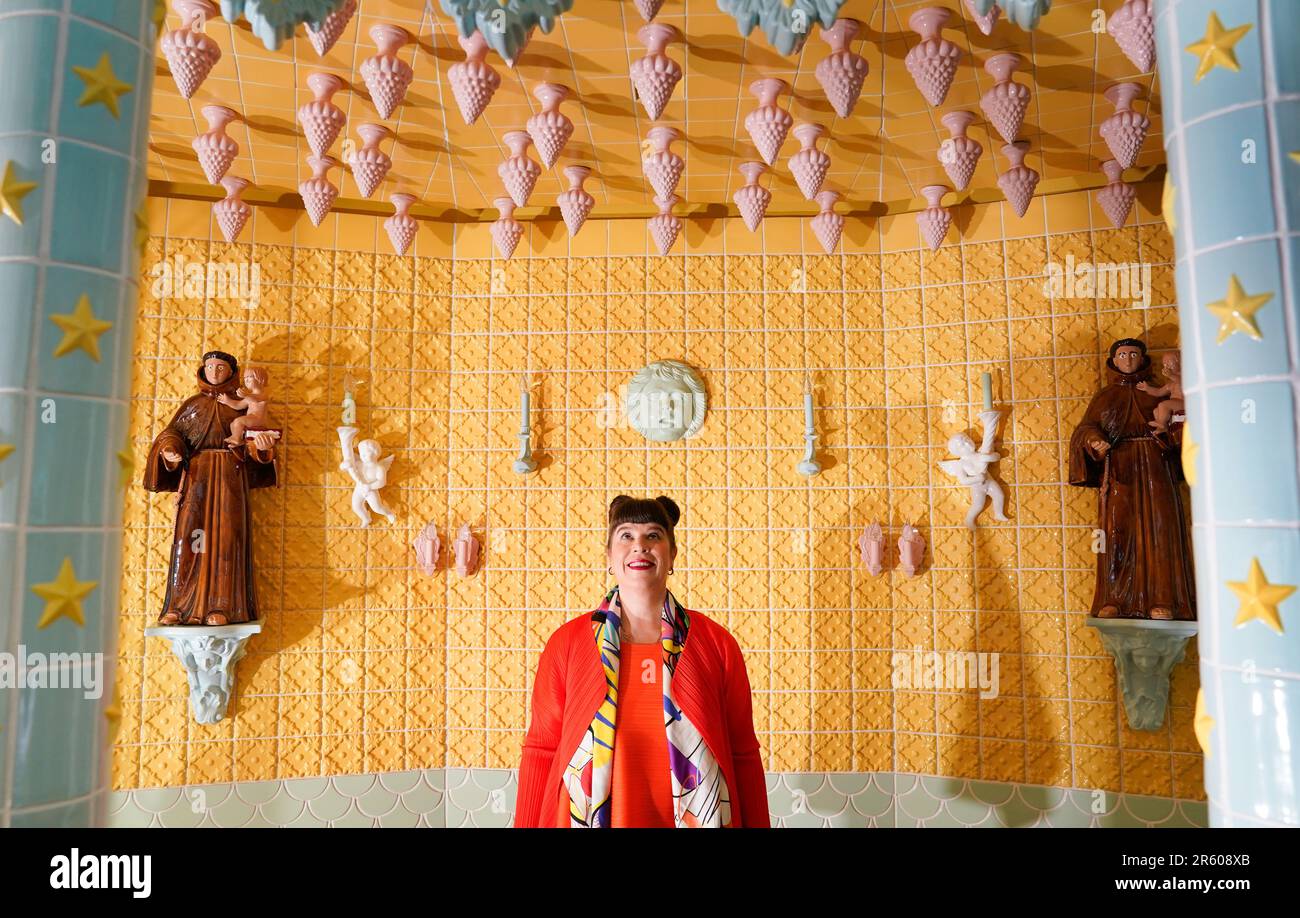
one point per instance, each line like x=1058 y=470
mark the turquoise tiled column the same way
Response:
x=1230 y=75
x=75 y=81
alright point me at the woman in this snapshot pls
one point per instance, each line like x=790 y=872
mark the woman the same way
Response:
x=641 y=709
x=210 y=581
x=1144 y=565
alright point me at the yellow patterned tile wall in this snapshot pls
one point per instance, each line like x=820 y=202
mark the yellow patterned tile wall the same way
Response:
x=368 y=665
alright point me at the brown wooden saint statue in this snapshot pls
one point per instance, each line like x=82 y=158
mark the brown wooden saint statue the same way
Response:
x=1144 y=555
x=210 y=581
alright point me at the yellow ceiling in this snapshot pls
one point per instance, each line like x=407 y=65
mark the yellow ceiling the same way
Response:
x=884 y=152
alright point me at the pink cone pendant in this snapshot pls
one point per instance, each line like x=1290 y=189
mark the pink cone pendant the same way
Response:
x=506 y=230
x=231 y=211
x=934 y=220
x=190 y=53
x=1019 y=181
x=752 y=198
x=1006 y=103
x=828 y=225
x=387 y=76
x=318 y=192
x=656 y=75
x=842 y=73
x=321 y=119
x=1126 y=130
x=661 y=166
x=810 y=164
x=576 y=203
x=768 y=125
x=214 y=149
x=1134 y=31
x=665 y=227
x=370 y=164
x=959 y=154
x=550 y=129
x=933 y=61
x=1116 y=198
x=986 y=21
x=401 y=226
x=519 y=173
x=473 y=82
x=332 y=28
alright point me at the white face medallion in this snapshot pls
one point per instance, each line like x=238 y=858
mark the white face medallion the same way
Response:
x=666 y=401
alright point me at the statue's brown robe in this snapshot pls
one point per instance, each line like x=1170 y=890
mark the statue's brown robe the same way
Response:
x=1146 y=559
x=212 y=545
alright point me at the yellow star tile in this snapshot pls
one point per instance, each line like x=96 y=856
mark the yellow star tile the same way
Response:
x=1167 y=198
x=1295 y=155
x=1259 y=598
x=1236 y=311
x=1202 y=722
x=6 y=450
x=1215 y=47
x=102 y=85
x=12 y=193
x=126 y=464
x=1190 y=449
x=63 y=596
x=81 y=330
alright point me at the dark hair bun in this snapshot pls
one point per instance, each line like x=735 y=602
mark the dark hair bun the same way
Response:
x=670 y=508
x=616 y=503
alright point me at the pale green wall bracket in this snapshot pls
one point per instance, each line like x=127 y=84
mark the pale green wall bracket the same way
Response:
x=1145 y=654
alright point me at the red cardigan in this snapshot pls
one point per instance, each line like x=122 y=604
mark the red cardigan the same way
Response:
x=710 y=685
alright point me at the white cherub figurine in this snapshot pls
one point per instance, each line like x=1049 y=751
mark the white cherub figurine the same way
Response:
x=971 y=468
x=370 y=474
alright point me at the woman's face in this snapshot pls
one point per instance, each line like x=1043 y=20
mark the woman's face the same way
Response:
x=640 y=555
x=216 y=370
x=1128 y=358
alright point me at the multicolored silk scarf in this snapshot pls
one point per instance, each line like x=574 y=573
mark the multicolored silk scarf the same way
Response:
x=700 y=798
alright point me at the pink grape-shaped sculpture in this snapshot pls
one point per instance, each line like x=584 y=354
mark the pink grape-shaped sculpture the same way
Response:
x=519 y=173
x=320 y=118
x=1006 y=102
x=190 y=53
x=401 y=226
x=665 y=227
x=473 y=82
x=1117 y=197
x=842 y=73
x=576 y=203
x=215 y=150
x=1019 y=181
x=932 y=61
x=231 y=211
x=1134 y=31
x=317 y=192
x=332 y=28
x=656 y=75
x=828 y=225
x=386 y=75
x=809 y=165
x=370 y=164
x=506 y=230
x=768 y=125
x=1126 y=130
x=661 y=166
x=934 y=220
x=752 y=198
x=959 y=154
x=549 y=128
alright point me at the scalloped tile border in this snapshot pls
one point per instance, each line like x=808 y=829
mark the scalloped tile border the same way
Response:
x=485 y=797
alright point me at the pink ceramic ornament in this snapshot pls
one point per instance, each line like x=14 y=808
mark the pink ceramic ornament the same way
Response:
x=1116 y=199
x=768 y=125
x=190 y=53
x=986 y=21
x=1019 y=181
x=871 y=545
x=828 y=225
x=934 y=220
x=959 y=153
x=506 y=230
x=401 y=226
x=549 y=129
x=473 y=82
x=656 y=75
x=320 y=118
x=810 y=164
x=933 y=61
x=661 y=166
x=214 y=149
x=466 y=551
x=649 y=9
x=1126 y=130
x=317 y=192
x=842 y=73
x=911 y=550
x=576 y=204
x=231 y=211
x=428 y=549
x=519 y=173
x=370 y=164
x=1133 y=30
x=1006 y=102
x=387 y=76
x=752 y=198
x=664 y=227
x=332 y=28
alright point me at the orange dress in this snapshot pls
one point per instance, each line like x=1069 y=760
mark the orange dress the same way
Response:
x=642 y=786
